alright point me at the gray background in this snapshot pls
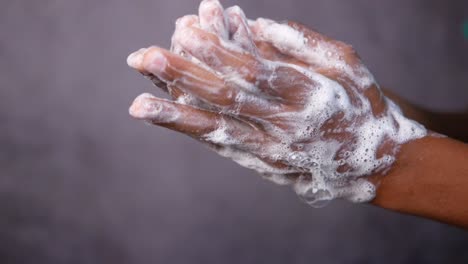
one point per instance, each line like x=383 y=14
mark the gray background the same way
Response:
x=81 y=182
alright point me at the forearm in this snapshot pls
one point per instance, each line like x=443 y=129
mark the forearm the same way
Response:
x=429 y=179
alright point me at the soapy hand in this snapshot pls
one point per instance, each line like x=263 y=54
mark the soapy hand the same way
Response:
x=279 y=98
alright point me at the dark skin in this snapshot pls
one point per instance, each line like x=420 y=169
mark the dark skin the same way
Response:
x=430 y=175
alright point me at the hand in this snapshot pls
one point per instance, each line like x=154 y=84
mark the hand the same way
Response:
x=281 y=99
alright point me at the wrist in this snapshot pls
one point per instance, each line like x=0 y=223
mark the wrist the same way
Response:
x=424 y=180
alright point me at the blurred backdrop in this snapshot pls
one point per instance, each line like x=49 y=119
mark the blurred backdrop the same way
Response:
x=81 y=182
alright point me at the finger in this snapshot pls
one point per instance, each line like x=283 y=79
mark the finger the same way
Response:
x=269 y=52
x=212 y=18
x=207 y=85
x=280 y=82
x=135 y=60
x=308 y=46
x=323 y=54
x=188 y=76
x=209 y=49
x=208 y=89
x=174 y=91
x=182 y=118
x=181 y=23
x=336 y=49
x=239 y=31
x=208 y=126
x=182 y=29
x=275 y=81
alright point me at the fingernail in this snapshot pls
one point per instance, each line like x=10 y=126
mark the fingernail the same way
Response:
x=156 y=63
x=135 y=59
x=143 y=107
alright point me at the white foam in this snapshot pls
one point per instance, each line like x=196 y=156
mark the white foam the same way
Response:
x=290 y=41
x=222 y=135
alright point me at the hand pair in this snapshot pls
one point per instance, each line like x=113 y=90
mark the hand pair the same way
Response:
x=296 y=106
